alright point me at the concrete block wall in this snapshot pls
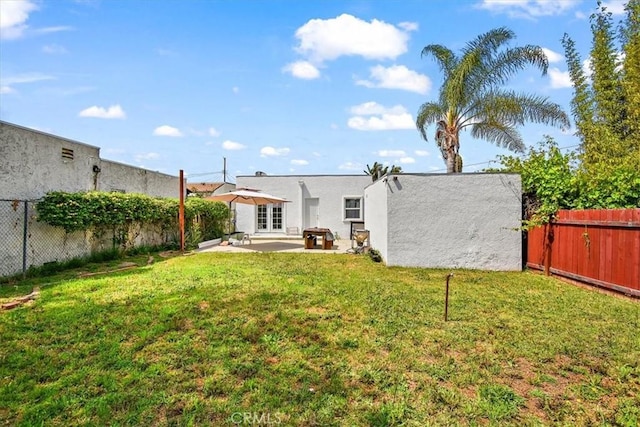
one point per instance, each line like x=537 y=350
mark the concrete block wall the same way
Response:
x=32 y=164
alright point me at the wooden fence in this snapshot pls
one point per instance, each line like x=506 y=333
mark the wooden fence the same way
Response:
x=599 y=247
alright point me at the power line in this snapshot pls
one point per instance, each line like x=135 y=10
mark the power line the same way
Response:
x=495 y=161
x=191 y=175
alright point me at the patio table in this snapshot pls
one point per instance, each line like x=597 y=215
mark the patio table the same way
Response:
x=325 y=233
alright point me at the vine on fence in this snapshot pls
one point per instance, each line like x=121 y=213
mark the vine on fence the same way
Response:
x=99 y=211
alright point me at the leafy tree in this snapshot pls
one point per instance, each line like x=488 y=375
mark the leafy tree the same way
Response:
x=378 y=170
x=606 y=104
x=551 y=180
x=630 y=36
x=548 y=180
x=472 y=96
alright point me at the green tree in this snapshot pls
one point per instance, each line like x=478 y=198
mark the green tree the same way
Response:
x=630 y=35
x=605 y=104
x=378 y=170
x=552 y=180
x=472 y=95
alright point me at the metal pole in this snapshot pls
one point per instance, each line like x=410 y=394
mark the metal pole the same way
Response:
x=224 y=170
x=24 y=239
x=181 y=210
x=446 y=297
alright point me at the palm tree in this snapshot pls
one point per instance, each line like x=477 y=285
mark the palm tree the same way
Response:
x=471 y=96
x=378 y=170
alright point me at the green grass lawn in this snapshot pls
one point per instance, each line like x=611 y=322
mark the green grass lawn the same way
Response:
x=311 y=339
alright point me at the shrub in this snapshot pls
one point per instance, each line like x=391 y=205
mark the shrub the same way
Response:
x=98 y=211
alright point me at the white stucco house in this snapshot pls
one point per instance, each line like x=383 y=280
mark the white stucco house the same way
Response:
x=328 y=201
x=469 y=220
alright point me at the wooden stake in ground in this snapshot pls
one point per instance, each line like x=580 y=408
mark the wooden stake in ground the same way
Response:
x=446 y=297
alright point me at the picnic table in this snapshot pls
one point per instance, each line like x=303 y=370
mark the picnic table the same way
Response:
x=309 y=235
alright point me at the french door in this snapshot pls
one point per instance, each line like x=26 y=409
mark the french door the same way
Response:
x=270 y=217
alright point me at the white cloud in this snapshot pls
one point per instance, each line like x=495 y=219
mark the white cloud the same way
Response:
x=385 y=122
x=351 y=166
x=379 y=117
x=232 y=145
x=616 y=7
x=273 y=152
x=13 y=18
x=166 y=130
x=372 y=108
x=397 y=77
x=580 y=15
x=302 y=70
x=390 y=153
x=299 y=162
x=48 y=30
x=421 y=153
x=559 y=79
x=25 y=78
x=235 y=89
x=328 y=39
x=146 y=156
x=528 y=8
x=6 y=89
x=214 y=132
x=406 y=160
x=409 y=26
x=552 y=56
x=586 y=67
x=54 y=49
x=113 y=112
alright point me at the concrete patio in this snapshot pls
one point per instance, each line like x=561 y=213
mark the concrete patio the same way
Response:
x=280 y=245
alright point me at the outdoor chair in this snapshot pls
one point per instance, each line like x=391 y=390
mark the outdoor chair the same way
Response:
x=246 y=237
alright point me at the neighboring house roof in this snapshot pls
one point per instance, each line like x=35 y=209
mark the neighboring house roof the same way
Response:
x=204 y=187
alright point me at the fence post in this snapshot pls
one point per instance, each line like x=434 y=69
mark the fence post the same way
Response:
x=548 y=241
x=24 y=239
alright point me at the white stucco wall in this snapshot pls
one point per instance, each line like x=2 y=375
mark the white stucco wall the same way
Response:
x=450 y=221
x=330 y=191
x=31 y=165
x=377 y=216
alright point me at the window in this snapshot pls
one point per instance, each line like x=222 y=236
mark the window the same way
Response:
x=353 y=208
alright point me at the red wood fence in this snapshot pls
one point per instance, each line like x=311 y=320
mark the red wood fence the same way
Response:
x=600 y=247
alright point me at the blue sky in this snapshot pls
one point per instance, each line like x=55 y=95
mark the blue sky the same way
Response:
x=283 y=87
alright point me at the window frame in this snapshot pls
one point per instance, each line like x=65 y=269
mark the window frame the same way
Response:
x=345 y=208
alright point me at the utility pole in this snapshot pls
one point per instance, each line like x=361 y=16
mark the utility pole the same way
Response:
x=224 y=170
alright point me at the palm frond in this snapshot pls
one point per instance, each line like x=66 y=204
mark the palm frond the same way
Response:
x=445 y=58
x=429 y=113
x=515 y=108
x=472 y=67
x=488 y=43
x=505 y=65
x=500 y=134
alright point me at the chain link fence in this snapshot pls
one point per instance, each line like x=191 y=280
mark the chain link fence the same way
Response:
x=25 y=242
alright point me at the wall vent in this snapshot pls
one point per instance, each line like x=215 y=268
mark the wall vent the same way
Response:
x=67 y=154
